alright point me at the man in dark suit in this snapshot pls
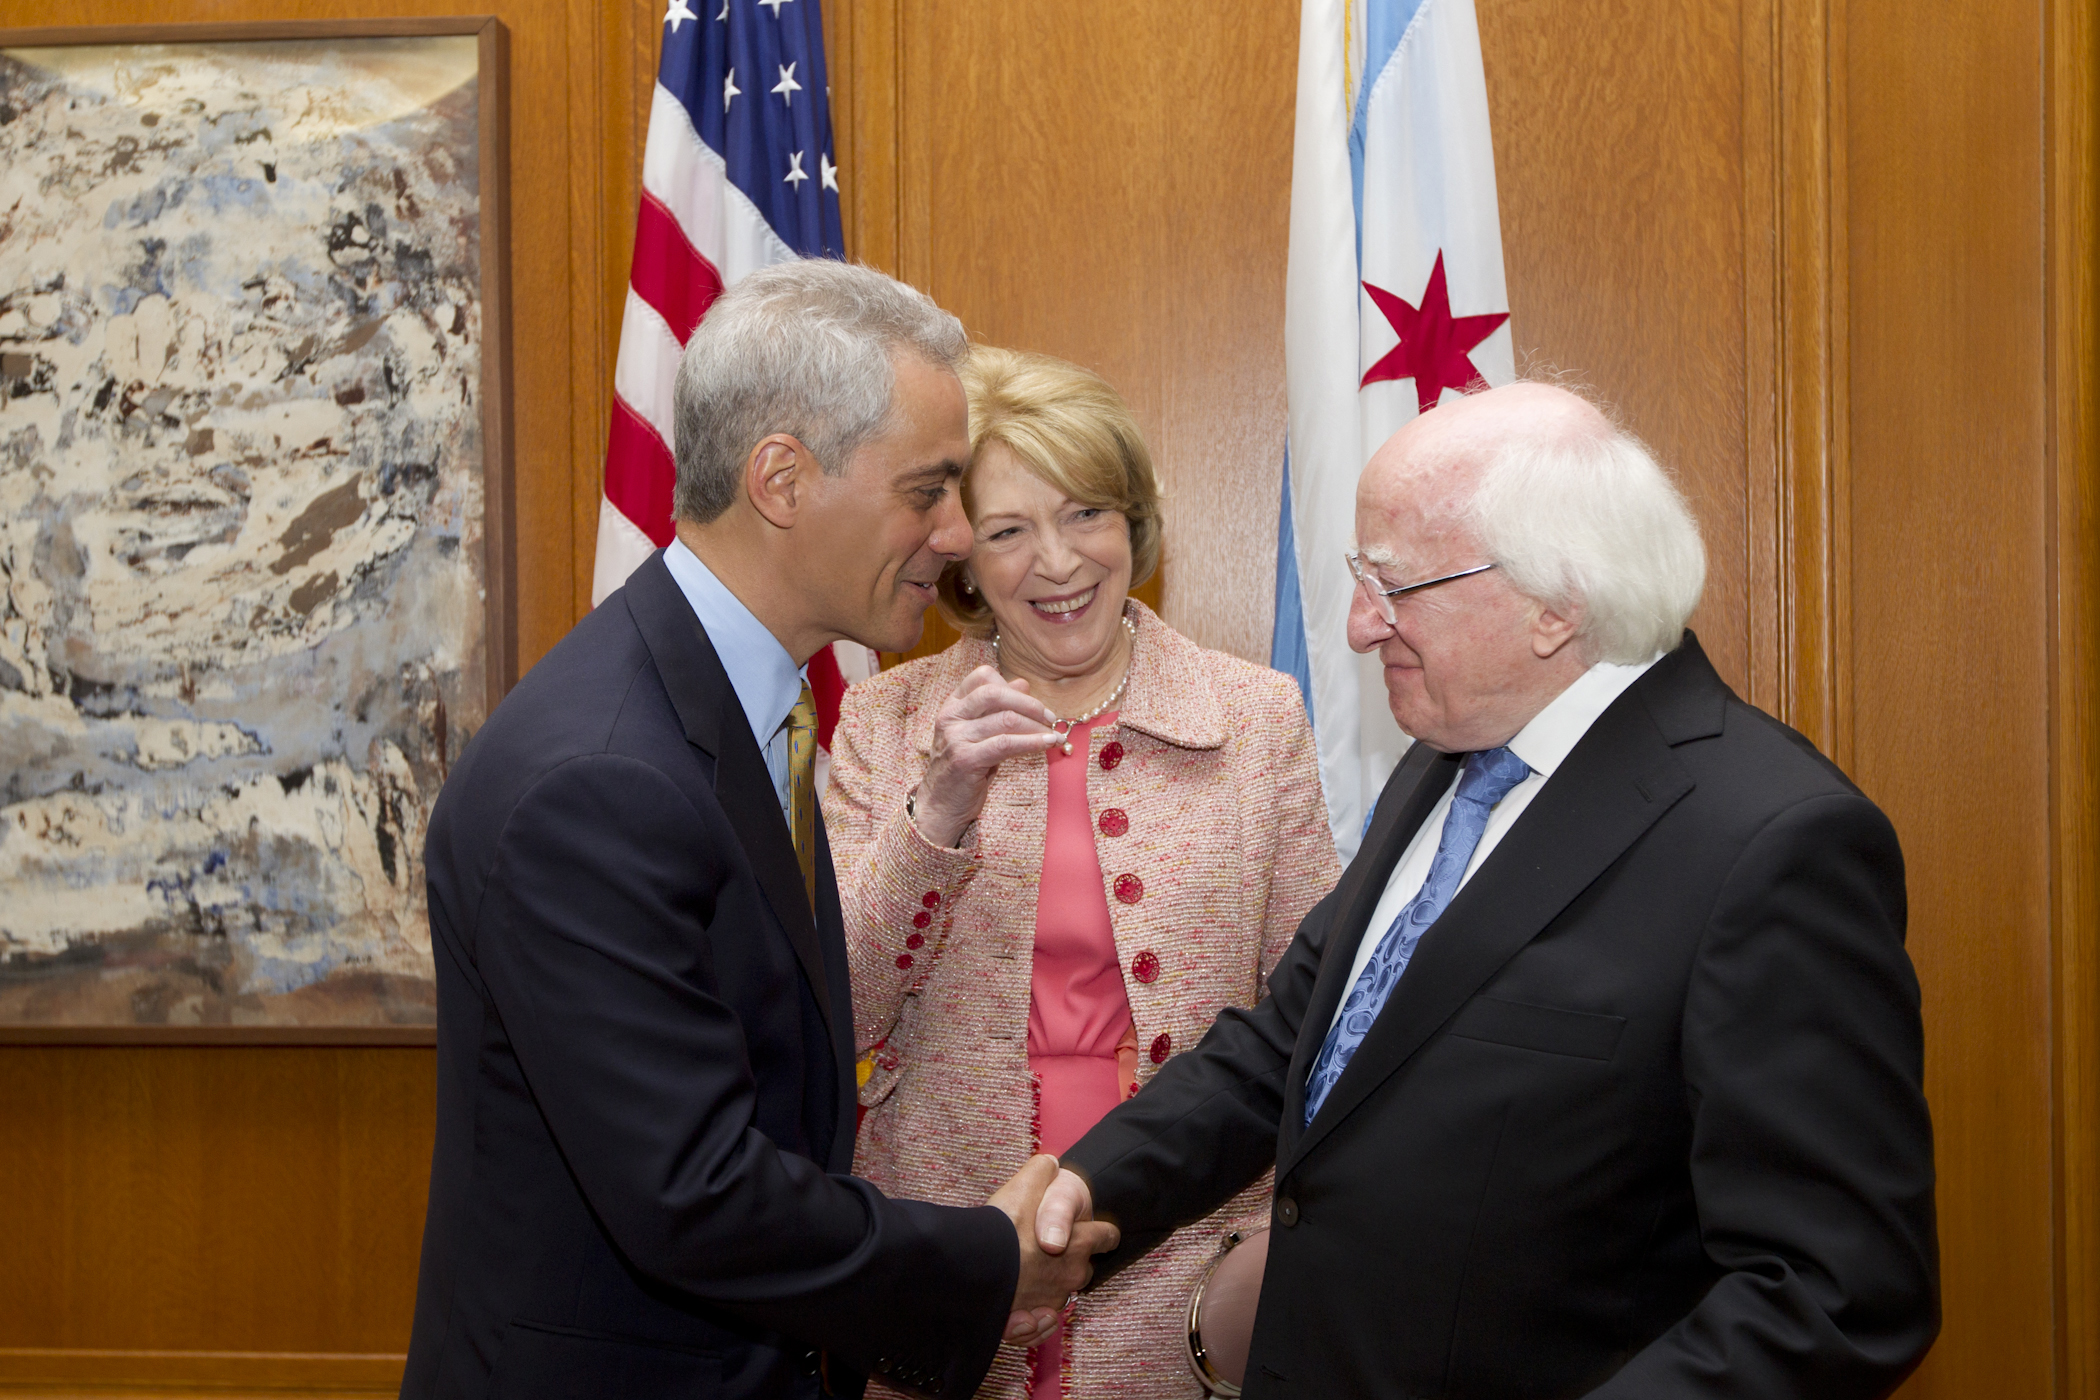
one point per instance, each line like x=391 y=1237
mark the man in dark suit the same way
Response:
x=645 y=1098
x=1599 y=1073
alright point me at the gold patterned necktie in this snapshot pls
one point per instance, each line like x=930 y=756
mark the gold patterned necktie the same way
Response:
x=802 y=788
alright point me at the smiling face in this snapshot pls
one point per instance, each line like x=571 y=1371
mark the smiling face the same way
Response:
x=1467 y=663
x=873 y=540
x=1054 y=572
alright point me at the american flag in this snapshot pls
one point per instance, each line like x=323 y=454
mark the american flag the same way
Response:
x=738 y=172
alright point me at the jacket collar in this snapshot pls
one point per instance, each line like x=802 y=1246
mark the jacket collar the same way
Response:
x=713 y=719
x=1615 y=784
x=1171 y=695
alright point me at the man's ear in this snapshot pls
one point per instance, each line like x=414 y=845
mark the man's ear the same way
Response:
x=777 y=477
x=1554 y=629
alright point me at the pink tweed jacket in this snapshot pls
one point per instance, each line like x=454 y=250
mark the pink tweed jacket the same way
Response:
x=1214 y=843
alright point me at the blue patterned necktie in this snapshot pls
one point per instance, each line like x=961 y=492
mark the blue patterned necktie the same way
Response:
x=1486 y=779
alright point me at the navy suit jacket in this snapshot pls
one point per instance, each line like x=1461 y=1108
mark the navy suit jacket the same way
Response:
x=1644 y=1118
x=645 y=1077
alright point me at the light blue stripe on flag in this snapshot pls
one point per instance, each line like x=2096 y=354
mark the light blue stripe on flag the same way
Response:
x=1287 y=651
x=1385 y=24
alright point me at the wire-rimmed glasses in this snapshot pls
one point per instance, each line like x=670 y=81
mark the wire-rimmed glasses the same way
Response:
x=1382 y=598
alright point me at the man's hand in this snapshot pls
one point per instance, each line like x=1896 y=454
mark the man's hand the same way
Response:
x=1065 y=1204
x=1048 y=1276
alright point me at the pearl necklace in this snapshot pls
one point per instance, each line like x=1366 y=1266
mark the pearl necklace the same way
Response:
x=1063 y=727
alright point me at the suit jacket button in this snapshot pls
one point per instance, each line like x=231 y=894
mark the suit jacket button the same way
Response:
x=1286 y=1211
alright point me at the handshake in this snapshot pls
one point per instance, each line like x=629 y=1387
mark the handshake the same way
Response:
x=1052 y=1212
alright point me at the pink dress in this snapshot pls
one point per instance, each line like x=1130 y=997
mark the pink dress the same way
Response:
x=1081 y=1042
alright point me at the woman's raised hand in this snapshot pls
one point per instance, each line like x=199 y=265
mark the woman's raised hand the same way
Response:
x=988 y=720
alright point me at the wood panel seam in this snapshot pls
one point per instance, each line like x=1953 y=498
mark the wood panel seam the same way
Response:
x=85 y=1371
x=2072 y=86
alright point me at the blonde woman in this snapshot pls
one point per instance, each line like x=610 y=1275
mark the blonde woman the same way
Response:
x=1063 y=845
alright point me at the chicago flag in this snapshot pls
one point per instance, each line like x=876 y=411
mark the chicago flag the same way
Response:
x=737 y=173
x=1395 y=298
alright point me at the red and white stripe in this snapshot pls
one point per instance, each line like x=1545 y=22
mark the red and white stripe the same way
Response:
x=696 y=235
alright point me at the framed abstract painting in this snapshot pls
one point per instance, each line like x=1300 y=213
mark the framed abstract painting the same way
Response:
x=255 y=538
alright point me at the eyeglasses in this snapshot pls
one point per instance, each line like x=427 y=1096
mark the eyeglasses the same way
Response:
x=1382 y=598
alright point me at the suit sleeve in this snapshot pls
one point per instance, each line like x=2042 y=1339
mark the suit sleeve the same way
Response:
x=1205 y=1128
x=589 y=940
x=1811 y=1152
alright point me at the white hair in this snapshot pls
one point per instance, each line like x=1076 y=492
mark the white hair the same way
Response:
x=805 y=348
x=1590 y=523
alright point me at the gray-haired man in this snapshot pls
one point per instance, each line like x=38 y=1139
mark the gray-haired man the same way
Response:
x=646 y=1092
x=1599 y=1073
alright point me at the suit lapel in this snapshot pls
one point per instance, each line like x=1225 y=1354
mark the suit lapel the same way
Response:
x=714 y=722
x=831 y=936
x=1406 y=801
x=1618 y=780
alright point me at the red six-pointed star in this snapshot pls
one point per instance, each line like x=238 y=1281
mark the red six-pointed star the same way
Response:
x=1433 y=343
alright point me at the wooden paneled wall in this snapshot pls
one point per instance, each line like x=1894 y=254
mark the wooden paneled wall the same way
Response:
x=1832 y=258
x=1109 y=183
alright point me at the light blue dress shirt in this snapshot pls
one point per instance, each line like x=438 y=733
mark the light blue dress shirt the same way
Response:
x=760 y=670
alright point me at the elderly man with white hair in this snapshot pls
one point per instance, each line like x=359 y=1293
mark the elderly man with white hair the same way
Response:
x=1600 y=1071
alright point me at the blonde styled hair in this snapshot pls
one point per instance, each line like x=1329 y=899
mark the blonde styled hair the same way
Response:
x=1076 y=434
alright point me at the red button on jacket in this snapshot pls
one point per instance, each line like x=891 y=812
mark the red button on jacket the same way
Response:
x=1161 y=1048
x=1145 y=967
x=1111 y=754
x=1114 y=822
x=1129 y=889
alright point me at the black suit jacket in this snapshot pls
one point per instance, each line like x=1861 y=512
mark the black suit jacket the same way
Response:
x=645 y=1101
x=1643 y=1117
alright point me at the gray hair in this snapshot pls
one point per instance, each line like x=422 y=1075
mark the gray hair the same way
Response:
x=1590 y=521
x=803 y=348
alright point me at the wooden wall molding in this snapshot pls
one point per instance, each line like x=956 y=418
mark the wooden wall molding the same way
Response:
x=81 y=1374
x=2072 y=114
x=865 y=49
x=1811 y=477
x=595 y=325
x=1765 y=541
x=614 y=45
x=225 y=1037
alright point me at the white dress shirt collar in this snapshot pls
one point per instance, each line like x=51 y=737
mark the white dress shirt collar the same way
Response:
x=764 y=676
x=1545 y=743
